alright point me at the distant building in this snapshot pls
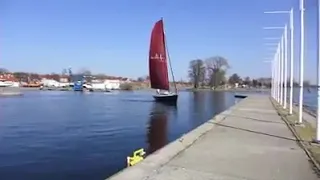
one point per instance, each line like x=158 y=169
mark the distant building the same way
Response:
x=50 y=83
x=112 y=83
x=64 y=79
x=8 y=80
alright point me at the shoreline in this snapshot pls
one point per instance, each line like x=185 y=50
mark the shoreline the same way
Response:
x=169 y=151
x=221 y=138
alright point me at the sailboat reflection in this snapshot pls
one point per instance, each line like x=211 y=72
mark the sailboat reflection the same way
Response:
x=157 y=129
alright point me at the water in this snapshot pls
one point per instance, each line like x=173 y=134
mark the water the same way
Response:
x=67 y=135
x=309 y=98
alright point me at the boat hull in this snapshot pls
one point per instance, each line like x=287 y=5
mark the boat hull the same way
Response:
x=240 y=96
x=170 y=98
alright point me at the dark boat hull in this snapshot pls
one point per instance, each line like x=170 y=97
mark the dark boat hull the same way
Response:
x=240 y=96
x=170 y=98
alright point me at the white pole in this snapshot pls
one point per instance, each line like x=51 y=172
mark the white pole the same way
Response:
x=272 y=78
x=275 y=76
x=291 y=57
x=285 y=66
x=281 y=69
x=291 y=60
x=318 y=74
x=278 y=74
x=301 y=60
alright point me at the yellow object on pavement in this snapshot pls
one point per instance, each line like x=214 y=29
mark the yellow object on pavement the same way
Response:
x=138 y=156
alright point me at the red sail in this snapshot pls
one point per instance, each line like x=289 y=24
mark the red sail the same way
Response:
x=158 y=69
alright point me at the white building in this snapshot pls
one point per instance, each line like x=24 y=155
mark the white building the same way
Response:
x=112 y=83
x=95 y=86
x=50 y=83
x=105 y=84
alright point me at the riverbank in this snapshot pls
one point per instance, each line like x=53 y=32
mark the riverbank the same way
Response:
x=248 y=141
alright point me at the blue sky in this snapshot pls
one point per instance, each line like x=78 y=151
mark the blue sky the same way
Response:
x=112 y=36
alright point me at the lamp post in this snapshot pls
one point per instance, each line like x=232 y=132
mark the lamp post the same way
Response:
x=282 y=65
x=291 y=25
x=273 y=68
x=275 y=73
x=278 y=72
x=301 y=60
x=272 y=94
x=317 y=139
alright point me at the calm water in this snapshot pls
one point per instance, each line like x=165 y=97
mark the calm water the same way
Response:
x=309 y=98
x=67 y=135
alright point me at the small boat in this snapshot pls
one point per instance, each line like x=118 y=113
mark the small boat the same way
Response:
x=78 y=86
x=158 y=68
x=240 y=96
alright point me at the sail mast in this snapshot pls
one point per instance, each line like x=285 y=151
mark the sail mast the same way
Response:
x=166 y=46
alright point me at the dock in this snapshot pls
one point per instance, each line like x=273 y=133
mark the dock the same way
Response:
x=9 y=92
x=249 y=141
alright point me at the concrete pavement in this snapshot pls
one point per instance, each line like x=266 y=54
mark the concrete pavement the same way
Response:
x=248 y=141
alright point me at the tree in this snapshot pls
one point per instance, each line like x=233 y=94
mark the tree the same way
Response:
x=306 y=83
x=234 y=78
x=34 y=76
x=55 y=76
x=140 y=79
x=221 y=76
x=197 y=72
x=64 y=72
x=217 y=67
x=3 y=70
x=21 y=76
x=247 y=81
x=254 y=82
x=86 y=73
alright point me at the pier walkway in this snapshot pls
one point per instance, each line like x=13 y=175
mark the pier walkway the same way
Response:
x=247 y=142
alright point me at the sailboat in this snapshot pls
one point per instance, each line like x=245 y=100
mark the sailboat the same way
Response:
x=158 y=66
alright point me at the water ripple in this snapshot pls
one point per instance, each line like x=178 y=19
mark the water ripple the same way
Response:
x=65 y=135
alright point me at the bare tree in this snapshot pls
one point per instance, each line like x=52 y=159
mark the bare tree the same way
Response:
x=217 y=67
x=141 y=79
x=84 y=71
x=197 y=72
x=247 y=81
x=64 y=71
x=234 y=78
x=86 y=74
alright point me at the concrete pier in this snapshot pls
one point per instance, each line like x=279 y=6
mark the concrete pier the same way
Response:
x=248 y=141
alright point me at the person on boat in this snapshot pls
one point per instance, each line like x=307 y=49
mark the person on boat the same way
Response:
x=165 y=92
x=162 y=92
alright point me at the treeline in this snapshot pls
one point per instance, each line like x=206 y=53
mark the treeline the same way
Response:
x=235 y=78
x=211 y=73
